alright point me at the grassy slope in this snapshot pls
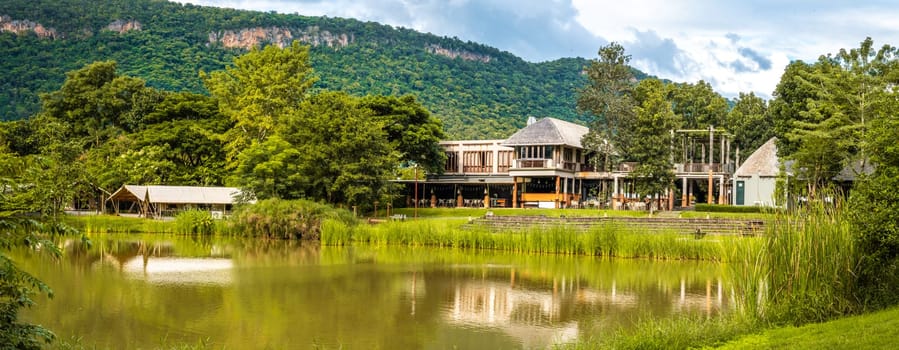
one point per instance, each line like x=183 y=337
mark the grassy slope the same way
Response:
x=871 y=331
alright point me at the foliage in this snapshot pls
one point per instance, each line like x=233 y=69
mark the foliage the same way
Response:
x=653 y=124
x=195 y=221
x=21 y=229
x=698 y=105
x=750 y=123
x=605 y=240
x=679 y=333
x=875 y=216
x=718 y=208
x=608 y=96
x=410 y=128
x=824 y=110
x=260 y=88
x=804 y=272
x=285 y=219
x=474 y=98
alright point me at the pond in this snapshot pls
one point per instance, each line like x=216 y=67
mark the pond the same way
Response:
x=145 y=291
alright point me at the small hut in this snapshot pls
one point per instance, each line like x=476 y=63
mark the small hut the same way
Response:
x=755 y=180
x=161 y=201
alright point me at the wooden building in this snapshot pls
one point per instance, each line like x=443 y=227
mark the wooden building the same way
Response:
x=160 y=201
x=545 y=165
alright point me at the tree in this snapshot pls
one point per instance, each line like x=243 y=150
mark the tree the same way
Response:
x=411 y=129
x=749 y=122
x=91 y=105
x=830 y=106
x=608 y=97
x=19 y=229
x=653 y=125
x=330 y=149
x=874 y=204
x=261 y=87
x=343 y=151
x=698 y=105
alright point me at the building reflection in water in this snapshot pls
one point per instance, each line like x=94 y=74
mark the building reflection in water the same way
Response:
x=538 y=315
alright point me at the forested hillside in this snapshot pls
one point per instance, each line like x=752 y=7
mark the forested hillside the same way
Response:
x=478 y=91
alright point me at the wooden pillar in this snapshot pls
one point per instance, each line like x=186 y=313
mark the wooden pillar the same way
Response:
x=721 y=198
x=614 y=192
x=558 y=178
x=515 y=192
x=486 y=196
x=670 y=198
x=711 y=186
x=684 y=202
x=459 y=198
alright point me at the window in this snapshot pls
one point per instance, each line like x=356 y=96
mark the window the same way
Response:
x=452 y=163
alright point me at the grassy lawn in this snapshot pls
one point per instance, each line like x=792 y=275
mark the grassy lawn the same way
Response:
x=878 y=330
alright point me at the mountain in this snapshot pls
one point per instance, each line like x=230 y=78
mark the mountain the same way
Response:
x=478 y=91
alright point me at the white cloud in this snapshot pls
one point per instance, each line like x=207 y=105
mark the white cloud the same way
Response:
x=735 y=46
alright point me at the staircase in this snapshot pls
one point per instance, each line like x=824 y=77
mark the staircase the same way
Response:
x=654 y=224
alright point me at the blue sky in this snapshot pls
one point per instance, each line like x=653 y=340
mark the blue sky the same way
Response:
x=736 y=46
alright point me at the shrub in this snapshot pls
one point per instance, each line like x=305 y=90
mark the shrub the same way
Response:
x=194 y=221
x=285 y=219
x=718 y=208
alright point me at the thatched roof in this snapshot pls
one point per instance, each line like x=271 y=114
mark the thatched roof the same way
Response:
x=763 y=162
x=176 y=194
x=548 y=131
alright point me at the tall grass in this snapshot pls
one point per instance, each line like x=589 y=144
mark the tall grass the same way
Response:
x=608 y=240
x=119 y=224
x=285 y=219
x=804 y=270
x=195 y=221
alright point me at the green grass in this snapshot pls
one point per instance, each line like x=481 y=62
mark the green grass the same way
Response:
x=609 y=240
x=119 y=224
x=871 y=331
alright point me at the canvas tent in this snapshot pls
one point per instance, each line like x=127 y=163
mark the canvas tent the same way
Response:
x=157 y=201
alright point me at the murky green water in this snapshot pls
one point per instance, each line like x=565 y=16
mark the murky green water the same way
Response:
x=146 y=291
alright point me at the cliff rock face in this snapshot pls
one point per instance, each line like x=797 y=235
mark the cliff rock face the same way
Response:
x=465 y=55
x=21 y=27
x=251 y=37
x=122 y=26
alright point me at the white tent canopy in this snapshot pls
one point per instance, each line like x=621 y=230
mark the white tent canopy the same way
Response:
x=154 y=199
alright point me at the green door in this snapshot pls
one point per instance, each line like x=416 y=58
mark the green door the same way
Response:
x=741 y=192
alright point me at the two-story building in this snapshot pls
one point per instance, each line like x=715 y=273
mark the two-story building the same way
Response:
x=545 y=165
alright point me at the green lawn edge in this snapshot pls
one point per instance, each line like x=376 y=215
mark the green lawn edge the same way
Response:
x=877 y=330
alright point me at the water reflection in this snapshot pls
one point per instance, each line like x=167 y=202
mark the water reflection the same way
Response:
x=275 y=294
x=180 y=270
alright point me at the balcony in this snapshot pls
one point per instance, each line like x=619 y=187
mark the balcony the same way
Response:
x=532 y=164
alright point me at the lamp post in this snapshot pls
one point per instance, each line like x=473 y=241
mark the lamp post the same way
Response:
x=415 y=215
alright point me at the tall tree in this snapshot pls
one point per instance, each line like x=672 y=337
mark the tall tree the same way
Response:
x=829 y=107
x=411 y=129
x=653 y=126
x=698 y=105
x=608 y=96
x=749 y=122
x=92 y=104
x=261 y=87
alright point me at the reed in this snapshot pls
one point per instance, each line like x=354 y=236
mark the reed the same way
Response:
x=195 y=221
x=802 y=272
x=284 y=219
x=119 y=224
x=609 y=240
